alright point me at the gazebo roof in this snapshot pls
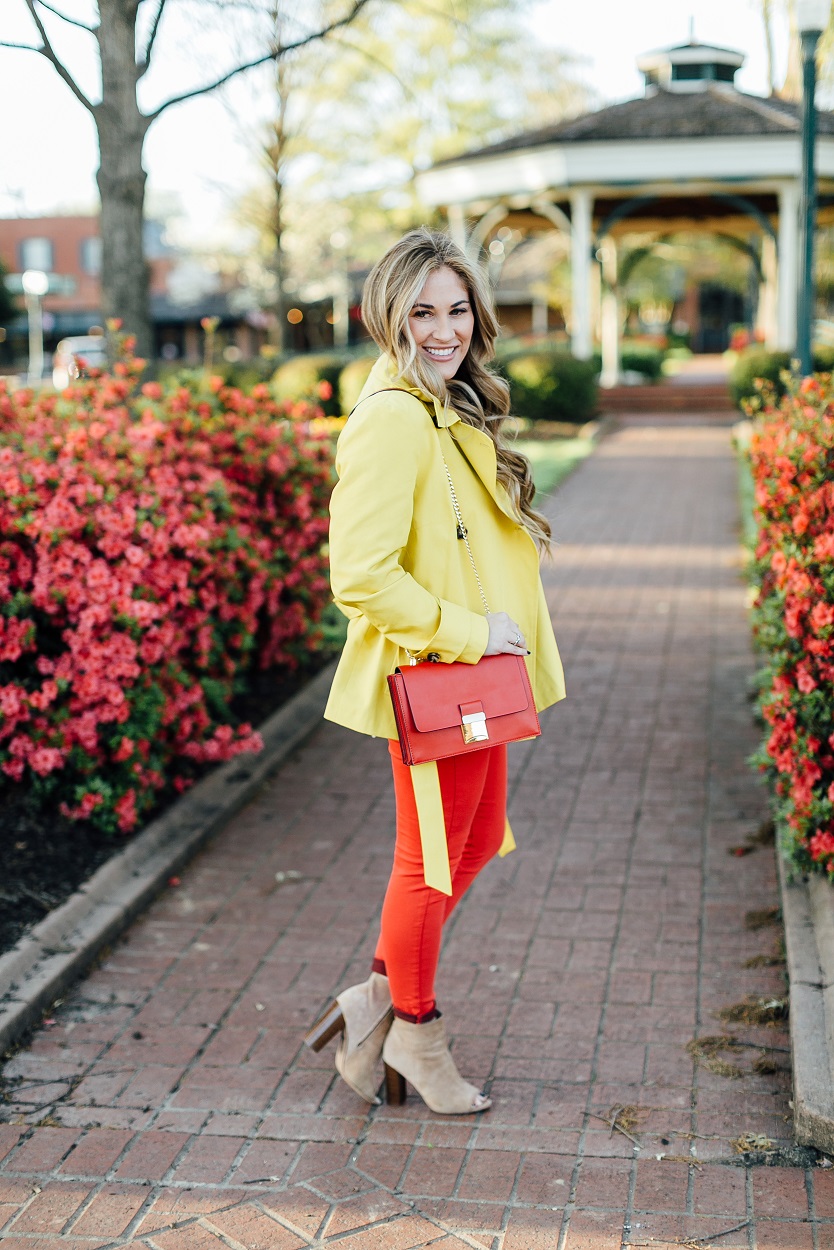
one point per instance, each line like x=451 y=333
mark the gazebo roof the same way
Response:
x=718 y=111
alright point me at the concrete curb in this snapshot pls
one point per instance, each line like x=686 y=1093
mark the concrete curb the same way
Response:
x=808 y=911
x=56 y=951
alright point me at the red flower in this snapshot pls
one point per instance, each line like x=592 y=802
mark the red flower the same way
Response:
x=146 y=541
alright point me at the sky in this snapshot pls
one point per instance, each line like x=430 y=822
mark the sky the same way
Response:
x=196 y=156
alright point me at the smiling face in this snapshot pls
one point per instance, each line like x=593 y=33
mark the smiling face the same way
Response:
x=442 y=321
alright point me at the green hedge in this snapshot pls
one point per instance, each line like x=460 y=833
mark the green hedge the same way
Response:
x=551 y=386
x=312 y=377
x=762 y=363
x=756 y=363
x=642 y=358
x=351 y=380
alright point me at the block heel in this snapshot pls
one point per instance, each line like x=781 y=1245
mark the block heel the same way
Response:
x=360 y=1016
x=394 y=1087
x=419 y=1054
x=325 y=1028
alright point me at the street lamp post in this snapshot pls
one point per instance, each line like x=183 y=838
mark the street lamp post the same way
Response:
x=812 y=19
x=340 y=315
x=35 y=284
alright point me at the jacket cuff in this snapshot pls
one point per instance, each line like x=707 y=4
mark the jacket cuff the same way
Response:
x=461 y=635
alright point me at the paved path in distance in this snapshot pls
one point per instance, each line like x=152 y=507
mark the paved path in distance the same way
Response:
x=169 y=1103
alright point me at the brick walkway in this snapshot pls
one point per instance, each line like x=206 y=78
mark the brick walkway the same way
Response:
x=169 y=1103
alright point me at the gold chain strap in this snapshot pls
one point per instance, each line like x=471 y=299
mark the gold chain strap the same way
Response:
x=463 y=534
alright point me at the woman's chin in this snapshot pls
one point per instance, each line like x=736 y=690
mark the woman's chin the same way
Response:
x=446 y=368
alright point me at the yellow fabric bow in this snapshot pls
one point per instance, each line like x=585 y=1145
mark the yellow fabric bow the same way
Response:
x=436 y=870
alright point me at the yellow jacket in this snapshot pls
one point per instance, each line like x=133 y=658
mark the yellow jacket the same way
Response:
x=397 y=568
x=404 y=580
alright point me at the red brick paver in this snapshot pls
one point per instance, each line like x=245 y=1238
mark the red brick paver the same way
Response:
x=171 y=1106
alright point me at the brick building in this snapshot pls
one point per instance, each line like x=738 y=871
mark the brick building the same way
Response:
x=68 y=249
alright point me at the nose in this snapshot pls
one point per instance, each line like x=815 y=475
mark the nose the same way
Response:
x=444 y=330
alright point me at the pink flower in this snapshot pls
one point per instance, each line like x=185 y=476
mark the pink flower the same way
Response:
x=44 y=760
x=125 y=809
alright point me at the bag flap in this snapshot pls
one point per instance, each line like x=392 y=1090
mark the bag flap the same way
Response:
x=436 y=691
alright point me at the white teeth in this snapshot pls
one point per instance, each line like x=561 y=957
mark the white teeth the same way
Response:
x=440 y=352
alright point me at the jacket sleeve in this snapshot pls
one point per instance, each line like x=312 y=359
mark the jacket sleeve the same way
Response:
x=383 y=453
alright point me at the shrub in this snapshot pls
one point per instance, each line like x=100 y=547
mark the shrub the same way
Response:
x=759 y=363
x=645 y=358
x=310 y=378
x=243 y=374
x=351 y=380
x=756 y=363
x=551 y=386
x=823 y=354
x=792 y=460
x=642 y=358
x=155 y=546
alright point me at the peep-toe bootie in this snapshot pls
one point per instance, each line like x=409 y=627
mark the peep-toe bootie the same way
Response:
x=362 y=1015
x=419 y=1054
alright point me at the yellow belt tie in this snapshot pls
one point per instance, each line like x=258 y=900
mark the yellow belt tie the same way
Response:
x=427 y=797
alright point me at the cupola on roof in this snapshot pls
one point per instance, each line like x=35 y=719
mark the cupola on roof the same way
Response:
x=691 y=66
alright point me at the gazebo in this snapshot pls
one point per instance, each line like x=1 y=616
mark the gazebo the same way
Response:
x=692 y=154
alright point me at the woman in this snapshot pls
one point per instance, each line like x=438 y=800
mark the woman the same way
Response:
x=401 y=574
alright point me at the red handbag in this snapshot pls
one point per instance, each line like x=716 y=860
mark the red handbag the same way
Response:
x=450 y=709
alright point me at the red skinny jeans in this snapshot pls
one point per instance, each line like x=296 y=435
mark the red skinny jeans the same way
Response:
x=474 y=792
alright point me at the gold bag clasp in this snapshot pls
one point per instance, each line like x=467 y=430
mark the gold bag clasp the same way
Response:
x=474 y=727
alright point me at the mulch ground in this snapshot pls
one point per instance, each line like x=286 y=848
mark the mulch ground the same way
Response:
x=45 y=856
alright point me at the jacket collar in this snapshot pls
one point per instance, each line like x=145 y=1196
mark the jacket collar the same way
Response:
x=478 y=447
x=384 y=376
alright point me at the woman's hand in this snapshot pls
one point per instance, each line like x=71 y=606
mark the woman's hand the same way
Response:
x=505 y=637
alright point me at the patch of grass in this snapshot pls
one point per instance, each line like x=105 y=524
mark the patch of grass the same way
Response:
x=746 y=486
x=766 y=1065
x=552 y=460
x=628 y=1117
x=775 y=960
x=754 y=920
x=707 y=1050
x=752 y=1141
x=755 y=1011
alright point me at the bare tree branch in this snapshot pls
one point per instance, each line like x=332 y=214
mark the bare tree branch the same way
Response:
x=272 y=55
x=49 y=52
x=407 y=90
x=71 y=20
x=146 y=59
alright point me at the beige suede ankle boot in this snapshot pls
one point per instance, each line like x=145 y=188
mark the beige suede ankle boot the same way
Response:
x=419 y=1054
x=362 y=1014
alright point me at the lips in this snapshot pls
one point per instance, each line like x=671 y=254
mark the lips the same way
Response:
x=440 y=353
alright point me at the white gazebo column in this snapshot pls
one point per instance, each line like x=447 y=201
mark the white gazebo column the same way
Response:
x=767 y=313
x=457 y=225
x=788 y=256
x=581 y=208
x=539 y=317
x=610 y=316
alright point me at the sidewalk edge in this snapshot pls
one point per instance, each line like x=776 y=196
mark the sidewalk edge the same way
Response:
x=53 y=954
x=809 y=939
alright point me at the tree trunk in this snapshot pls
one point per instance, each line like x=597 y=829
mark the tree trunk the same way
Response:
x=276 y=229
x=275 y=152
x=767 y=18
x=121 y=176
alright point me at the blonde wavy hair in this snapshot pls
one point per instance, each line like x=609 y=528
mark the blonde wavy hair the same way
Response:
x=478 y=396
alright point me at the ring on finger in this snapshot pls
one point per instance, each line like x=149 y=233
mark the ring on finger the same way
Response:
x=517 y=641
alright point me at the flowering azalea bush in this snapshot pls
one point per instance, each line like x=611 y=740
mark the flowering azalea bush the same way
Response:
x=156 y=546
x=792 y=458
